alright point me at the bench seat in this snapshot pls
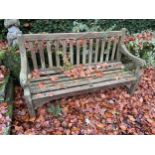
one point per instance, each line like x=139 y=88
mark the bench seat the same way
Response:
x=65 y=86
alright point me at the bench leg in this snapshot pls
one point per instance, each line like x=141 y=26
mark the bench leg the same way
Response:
x=133 y=87
x=28 y=101
x=30 y=106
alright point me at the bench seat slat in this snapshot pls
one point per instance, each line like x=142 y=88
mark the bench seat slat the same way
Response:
x=85 y=81
x=63 y=78
x=56 y=71
x=78 y=90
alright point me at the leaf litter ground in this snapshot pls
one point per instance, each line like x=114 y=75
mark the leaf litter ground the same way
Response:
x=105 y=112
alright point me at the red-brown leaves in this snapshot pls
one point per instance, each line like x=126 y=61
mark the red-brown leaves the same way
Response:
x=3 y=45
x=104 y=112
x=4 y=118
x=39 y=95
x=32 y=119
x=99 y=74
x=123 y=126
x=53 y=78
x=3 y=72
x=1 y=76
x=108 y=114
x=105 y=65
x=35 y=74
x=42 y=111
x=153 y=130
x=100 y=125
x=131 y=118
x=86 y=72
x=144 y=36
x=41 y=85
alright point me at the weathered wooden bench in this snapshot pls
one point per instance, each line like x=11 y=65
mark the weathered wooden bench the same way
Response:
x=51 y=53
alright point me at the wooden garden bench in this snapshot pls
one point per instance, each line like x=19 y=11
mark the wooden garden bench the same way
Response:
x=54 y=54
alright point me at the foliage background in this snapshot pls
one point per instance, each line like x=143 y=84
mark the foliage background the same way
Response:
x=12 y=59
x=66 y=25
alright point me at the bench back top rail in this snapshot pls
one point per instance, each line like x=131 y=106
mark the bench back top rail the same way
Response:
x=47 y=51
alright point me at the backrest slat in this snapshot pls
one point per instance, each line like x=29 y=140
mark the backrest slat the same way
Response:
x=60 y=49
x=49 y=52
x=118 y=54
x=90 y=50
x=57 y=53
x=78 y=52
x=121 y=40
x=96 y=50
x=108 y=51
x=71 y=52
x=42 y=57
x=64 y=49
x=114 y=49
x=102 y=50
x=84 y=51
x=33 y=55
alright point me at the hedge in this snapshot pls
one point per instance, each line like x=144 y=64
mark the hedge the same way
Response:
x=66 y=25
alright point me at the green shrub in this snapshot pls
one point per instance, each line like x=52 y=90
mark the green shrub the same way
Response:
x=3 y=30
x=137 y=44
x=11 y=60
x=66 y=25
x=55 y=109
x=143 y=46
x=150 y=58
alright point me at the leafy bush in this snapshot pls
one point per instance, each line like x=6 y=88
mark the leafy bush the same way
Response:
x=12 y=61
x=3 y=47
x=83 y=27
x=150 y=58
x=3 y=30
x=10 y=57
x=142 y=45
x=80 y=27
x=55 y=109
x=66 y=25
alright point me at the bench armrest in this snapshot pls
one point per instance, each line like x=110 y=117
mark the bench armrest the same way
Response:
x=23 y=79
x=138 y=61
x=24 y=66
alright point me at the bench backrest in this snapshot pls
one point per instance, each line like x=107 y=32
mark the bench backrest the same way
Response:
x=59 y=49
